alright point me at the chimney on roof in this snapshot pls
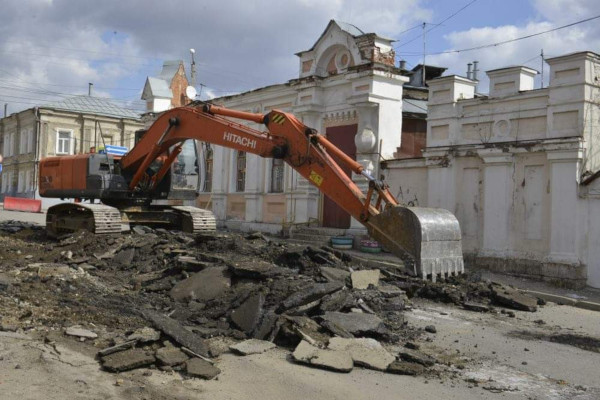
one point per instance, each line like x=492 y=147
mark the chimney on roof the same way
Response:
x=90 y=87
x=402 y=64
x=475 y=70
x=469 y=72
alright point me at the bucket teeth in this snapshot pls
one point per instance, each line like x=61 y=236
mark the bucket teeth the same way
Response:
x=429 y=237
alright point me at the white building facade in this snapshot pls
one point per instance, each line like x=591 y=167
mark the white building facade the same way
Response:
x=347 y=89
x=518 y=168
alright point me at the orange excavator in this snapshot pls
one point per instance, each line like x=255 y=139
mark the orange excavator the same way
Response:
x=163 y=164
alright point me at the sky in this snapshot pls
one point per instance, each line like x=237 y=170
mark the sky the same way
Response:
x=52 y=49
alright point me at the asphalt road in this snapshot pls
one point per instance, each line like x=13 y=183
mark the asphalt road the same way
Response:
x=38 y=218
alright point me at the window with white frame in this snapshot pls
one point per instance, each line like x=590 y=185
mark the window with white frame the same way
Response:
x=30 y=141
x=240 y=182
x=21 y=182
x=10 y=184
x=8 y=144
x=29 y=181
x=23 y=141
x=64 y=141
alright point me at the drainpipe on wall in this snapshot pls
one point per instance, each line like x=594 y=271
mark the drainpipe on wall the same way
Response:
x=37 y=152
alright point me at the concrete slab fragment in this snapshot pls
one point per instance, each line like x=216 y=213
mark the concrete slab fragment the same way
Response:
x=405 y=368
x=358 y=324
x=80 y=332
x=514 y=299
x=365 y=352
x=171 y=356
x=201 y=369
x=177 y=332
x=334 y=274
x=362 y=279
x=127 y=360
x=145 y=335
x=205 y=285
x=252 y=346
x=247 y=316
x=340 y=361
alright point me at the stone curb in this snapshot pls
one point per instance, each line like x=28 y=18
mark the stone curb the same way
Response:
x=587 y=305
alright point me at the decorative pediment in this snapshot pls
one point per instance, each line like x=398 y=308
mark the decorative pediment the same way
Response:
x=342 y=46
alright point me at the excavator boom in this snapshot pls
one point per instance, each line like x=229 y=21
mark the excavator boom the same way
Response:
x=428 y=240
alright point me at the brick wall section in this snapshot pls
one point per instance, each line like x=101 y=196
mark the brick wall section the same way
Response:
x=414 y=138
x=178 y=86
x=368 y=50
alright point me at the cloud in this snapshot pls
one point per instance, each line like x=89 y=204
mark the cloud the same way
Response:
x=240 y=44
x=525 y=52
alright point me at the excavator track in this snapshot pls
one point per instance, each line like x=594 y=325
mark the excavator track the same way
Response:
x=70 y=217
x=196 y=220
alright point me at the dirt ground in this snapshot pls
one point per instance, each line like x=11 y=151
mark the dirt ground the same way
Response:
x=102 y=285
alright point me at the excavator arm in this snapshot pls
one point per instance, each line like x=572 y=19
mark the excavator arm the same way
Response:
x=428 y=240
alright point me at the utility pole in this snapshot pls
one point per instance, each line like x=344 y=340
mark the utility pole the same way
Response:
x=542 y=55
x=193 y=83
x=424 y=69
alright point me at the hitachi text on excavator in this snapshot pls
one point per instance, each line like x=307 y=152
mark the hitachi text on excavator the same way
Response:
x=163 y=164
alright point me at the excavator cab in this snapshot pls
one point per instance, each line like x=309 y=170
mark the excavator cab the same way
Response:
x=185 y=173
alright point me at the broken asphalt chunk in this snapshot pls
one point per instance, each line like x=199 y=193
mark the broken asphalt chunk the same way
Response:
x=201 y=369
x=310 y=294
x=255 y=269
x=247 y=316
x=145 y=335
x=358 y=324
x=252 y=346
x=205 y=285
x=514 y=299
x=417 y=357
x=127 y=360
x=171 y=356
x=365 y=352
x=177 y=332
x=340 y=361
x=80 y=332
x=334 y=274
x=405 y=368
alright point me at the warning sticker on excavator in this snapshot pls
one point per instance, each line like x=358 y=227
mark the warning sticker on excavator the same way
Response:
x=316 y=178
x=278 y=119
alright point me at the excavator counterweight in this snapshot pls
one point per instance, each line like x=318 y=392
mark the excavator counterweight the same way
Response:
x=427 y=240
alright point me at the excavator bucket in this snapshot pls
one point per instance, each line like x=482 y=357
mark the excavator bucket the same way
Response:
x=428 y=240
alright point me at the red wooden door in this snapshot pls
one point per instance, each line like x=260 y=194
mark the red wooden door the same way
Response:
x=343 y=138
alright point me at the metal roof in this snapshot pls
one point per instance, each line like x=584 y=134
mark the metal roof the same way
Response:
x=93 y=105
x=159 y=87
x=169 y=69
x=414 y=106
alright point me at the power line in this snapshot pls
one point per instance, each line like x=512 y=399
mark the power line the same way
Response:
x=484 y=46
x=438 y=24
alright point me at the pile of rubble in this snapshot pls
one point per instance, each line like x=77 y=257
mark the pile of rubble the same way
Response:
x=174 y=301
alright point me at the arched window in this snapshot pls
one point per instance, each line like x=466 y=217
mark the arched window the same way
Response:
x=208 y=159
x=277 y=175
x=241 y=171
